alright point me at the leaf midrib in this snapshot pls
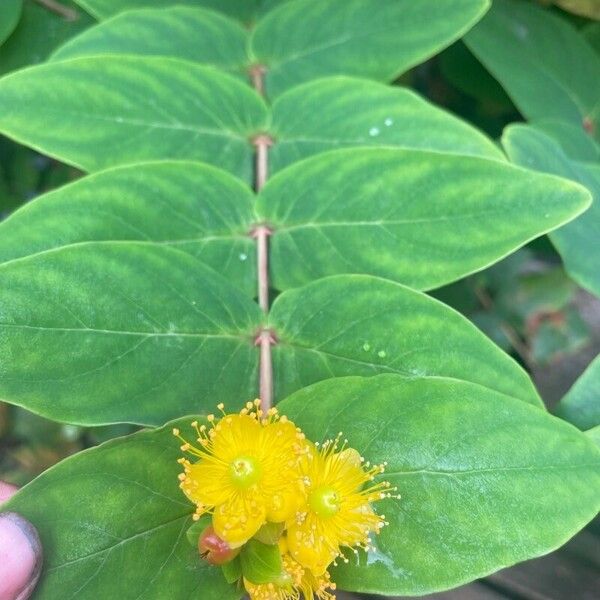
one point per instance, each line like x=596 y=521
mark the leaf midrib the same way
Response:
x=226 y=133
x=459 y=473
x=124 y=332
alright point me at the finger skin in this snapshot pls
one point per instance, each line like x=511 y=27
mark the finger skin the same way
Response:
x=7 y=490
x=20 y=552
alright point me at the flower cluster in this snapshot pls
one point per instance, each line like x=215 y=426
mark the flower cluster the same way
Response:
x=250 y=470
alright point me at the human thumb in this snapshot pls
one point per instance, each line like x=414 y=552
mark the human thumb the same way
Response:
x=20 y=552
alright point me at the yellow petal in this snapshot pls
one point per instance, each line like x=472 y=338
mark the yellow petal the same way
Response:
x=235 y=435
x=309 y=549
x=208 y=484
x=282 y=505
x=238 y=519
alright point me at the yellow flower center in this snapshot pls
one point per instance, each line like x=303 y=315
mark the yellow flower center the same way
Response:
x=245 y=472
x=324 y=501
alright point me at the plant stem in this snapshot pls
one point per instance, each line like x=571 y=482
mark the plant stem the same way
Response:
x=261 y=232
x=56 y=7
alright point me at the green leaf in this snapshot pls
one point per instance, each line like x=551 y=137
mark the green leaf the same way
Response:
x=523 y=46
x=232 y=571
x=10 y=13
x=261 y=563
x=244 y=10
x=38 y=33
x=190 y=206
x=576 y=242
x=594 y=435
x=179 y=32
x=421 y=218
x=472 y=500
x=358 y=112
x=270 y=533
x=378 y=39
x=573 y=139
x=591 y=32
x=581 y=405
x=360 y=325
x=118 y=525
x=196 y=529
x=132 y=109
x=100 y=333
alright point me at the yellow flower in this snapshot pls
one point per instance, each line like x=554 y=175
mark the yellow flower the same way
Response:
x=294 y=581
x=337 y=512
x=247 y=472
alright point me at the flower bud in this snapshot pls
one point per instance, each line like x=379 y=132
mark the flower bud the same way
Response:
x=215 y=550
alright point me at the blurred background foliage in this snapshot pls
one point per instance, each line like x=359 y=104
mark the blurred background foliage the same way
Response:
x=526 y=303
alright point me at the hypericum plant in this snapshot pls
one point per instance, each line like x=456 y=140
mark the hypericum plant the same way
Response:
x=129 y=296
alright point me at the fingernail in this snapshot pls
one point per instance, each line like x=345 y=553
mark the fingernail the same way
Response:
x=20 y=557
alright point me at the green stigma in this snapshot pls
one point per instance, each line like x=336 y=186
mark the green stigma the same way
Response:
x=245 y=472
x=325 y=502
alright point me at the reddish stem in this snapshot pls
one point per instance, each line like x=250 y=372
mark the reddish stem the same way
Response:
x=261 y=235
x=265 y=338
x=68 y=14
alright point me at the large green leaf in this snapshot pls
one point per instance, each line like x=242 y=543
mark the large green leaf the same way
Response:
x=184 y=32
x=112 y=522
x=473 y=498
x=594 y=435
x=573 y=139
x=577 y=242
x=340 y=111
x=96 y=112
x=38 y=33
x=591 y=32
x=581 y=405
x=361 y=325
x=190 y=206
x=421 y=218
x=244 y=10
x=106 y=332
x=10 y=13
x=523 y=46
x=378 y=39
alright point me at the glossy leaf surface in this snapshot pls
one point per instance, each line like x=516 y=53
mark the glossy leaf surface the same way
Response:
x=108 y=332
x=337 y=112
x=141 y=108
x=577 y=242
x=360 y=325
x=581 y=405
x=244 y=10
x=420 y=218
x=183 y=32
x=473 y=500
x=10 y=13
x=523 y=46
x=377 y=39
x=190 y=206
